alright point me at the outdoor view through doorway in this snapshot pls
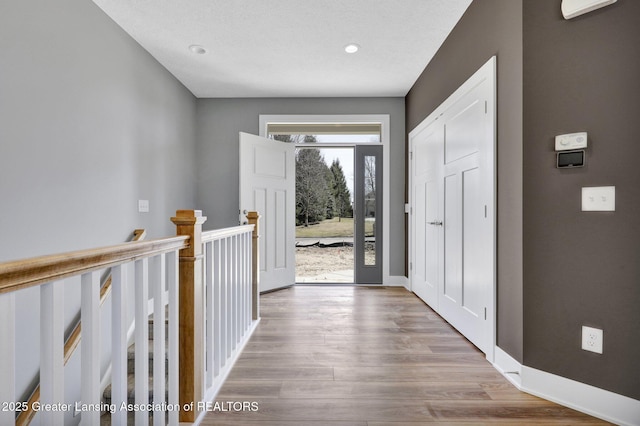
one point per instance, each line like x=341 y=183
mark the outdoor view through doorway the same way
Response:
x=339 y=192
x=335 y=220
x=324 y=214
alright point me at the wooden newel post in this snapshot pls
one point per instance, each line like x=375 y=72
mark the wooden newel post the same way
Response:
x=190 y=313
x=253 y=218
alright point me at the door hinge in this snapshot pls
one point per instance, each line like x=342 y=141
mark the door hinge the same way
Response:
x=411 y=266
x=485 y=313
x=486 y=107
x=411 y=155
x=485 y=211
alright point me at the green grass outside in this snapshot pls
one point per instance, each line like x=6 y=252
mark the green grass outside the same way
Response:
x=332 y=228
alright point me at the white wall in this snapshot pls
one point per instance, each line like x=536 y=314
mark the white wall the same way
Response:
x=89 y=124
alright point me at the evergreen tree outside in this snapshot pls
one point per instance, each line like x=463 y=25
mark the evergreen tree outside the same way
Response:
x=321 y=191
x=340 y=192
x=311 y=185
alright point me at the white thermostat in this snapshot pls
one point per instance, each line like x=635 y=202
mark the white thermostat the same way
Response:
x=571 y=141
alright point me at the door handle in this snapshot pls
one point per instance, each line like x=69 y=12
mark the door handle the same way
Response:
x=436 y=223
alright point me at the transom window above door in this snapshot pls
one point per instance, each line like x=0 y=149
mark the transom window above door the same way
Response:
x=330 y=133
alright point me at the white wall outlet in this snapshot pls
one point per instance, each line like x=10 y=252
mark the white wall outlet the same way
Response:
x=143 y=206
x=592 y=339
x=599 y=199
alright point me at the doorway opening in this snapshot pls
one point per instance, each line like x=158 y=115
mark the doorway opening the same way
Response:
x=324 y=214
x=338 y=200
x=367 y=138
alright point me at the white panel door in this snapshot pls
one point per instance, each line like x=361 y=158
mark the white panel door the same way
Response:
x=267 y=185
x=452 y=232
x=468 y=193
x=426 y=220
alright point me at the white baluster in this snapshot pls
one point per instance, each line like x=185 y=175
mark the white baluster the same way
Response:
x=52 y=350
x=119 y=343
x=172 y=290
x=241 y=279
x=234 y=293
x=90 y=347
x=141 y=338
x=229 y=302
x=209 y=271
x=224 y=323
x=7 y=355
x=238 y=287
x=159 y=355
x=217 y=314
x=247 y=282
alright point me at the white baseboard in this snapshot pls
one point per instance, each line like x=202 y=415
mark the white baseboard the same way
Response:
x=588 y=399
x=396 y=281
x=508 y=367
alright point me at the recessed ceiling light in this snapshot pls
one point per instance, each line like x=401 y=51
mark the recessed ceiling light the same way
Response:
x=351 y=48
x=199 y=50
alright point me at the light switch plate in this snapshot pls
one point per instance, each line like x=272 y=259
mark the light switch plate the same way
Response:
x=571 y=141
x=599 y=199
x=143 y=206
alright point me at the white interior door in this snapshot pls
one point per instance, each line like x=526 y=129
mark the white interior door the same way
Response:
x=453 y=213
x=426 y=217
x=267 y=185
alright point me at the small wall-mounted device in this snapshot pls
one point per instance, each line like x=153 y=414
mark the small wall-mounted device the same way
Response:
x=573 y=8
x=568 y=159
x=571 y=141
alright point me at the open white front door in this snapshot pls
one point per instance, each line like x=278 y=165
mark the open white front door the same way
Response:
x=267 y=185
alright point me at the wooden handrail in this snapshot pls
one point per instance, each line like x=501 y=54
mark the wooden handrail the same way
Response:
x=19 y=274
x=71 y=344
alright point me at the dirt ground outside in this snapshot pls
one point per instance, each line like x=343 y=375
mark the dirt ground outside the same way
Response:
x=330 y=264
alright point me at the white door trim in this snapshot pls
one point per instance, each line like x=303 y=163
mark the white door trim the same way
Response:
x=486 y=73
x=384 y=120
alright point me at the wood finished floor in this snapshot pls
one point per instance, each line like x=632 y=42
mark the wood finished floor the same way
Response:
x=359 y=356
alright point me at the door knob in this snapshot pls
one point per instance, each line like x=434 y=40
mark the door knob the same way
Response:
x=436 y=223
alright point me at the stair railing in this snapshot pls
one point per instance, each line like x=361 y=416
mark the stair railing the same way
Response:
x=193 y=312
x=71 y=344
x=220 y=268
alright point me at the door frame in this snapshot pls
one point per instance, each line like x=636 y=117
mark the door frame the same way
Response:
x=383 y=120
x=486 y=72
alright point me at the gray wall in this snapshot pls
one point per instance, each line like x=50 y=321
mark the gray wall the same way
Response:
x=582 y=268
x=89 y=124
x=489 y=27
x=558 y=268
x=220 y=121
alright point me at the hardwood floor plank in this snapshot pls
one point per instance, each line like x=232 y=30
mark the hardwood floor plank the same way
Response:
x=384 y=390
x=281 y=373
x=250 y=390
x=358 y=356
x=533 y=410
x=360 y=360
x=333 y=410
x=417 y=374
x=346 y=347
x=213 y=420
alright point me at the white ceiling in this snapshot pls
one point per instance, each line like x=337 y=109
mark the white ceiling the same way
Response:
x=290 y=48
